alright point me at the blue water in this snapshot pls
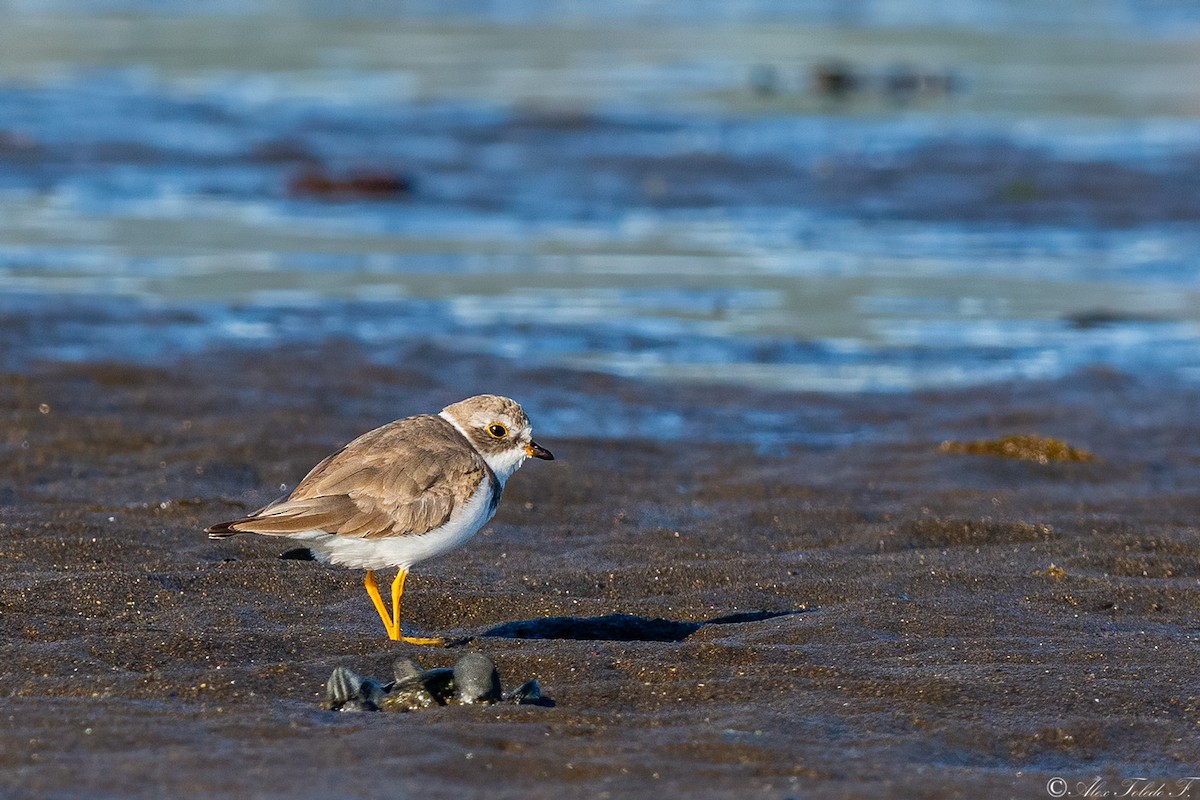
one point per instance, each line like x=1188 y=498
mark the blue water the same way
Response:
x=658 y=193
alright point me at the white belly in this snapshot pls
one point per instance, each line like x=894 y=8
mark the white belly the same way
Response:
x=402 y=551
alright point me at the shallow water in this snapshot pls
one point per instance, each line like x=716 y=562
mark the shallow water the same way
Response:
x=656 y=194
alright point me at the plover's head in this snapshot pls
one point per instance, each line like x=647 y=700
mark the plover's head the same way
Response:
x=498 y=429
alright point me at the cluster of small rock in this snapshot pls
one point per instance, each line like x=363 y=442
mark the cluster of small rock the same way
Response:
x=472 y=680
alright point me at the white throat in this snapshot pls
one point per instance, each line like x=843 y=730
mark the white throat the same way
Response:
x=503 y=464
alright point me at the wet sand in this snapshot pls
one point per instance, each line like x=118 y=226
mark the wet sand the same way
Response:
x=956 y=625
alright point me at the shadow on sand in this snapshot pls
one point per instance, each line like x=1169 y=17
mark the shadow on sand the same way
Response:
x=621 y=627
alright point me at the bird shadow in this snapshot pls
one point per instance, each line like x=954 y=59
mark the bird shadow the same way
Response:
x=621 y=627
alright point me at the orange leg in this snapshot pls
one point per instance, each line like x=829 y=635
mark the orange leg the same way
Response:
x=394 y=628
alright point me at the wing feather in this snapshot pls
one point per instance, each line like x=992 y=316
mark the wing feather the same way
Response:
x=403 y=479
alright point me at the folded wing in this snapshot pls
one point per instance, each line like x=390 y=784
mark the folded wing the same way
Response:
x=404 y=479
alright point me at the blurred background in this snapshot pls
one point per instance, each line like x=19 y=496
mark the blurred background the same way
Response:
x=831 y=195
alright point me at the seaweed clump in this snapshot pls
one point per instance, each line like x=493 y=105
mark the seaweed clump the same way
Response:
x=1029 y=447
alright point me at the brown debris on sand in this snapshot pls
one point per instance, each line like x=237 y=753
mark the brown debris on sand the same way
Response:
x=1029 y=447
x=362 y=185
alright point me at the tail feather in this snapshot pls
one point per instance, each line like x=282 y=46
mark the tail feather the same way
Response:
x=222 y=530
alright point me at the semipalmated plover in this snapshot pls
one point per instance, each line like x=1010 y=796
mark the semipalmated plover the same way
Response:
x=410 y=490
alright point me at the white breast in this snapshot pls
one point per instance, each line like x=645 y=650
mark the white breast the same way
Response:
x=403 y=551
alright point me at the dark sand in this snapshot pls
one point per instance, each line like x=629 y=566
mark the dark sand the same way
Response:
x=934 y=653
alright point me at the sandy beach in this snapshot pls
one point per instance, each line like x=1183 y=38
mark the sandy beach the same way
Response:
x=882 y=618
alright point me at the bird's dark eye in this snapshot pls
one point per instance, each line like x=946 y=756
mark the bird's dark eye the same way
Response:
x=497 y=431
